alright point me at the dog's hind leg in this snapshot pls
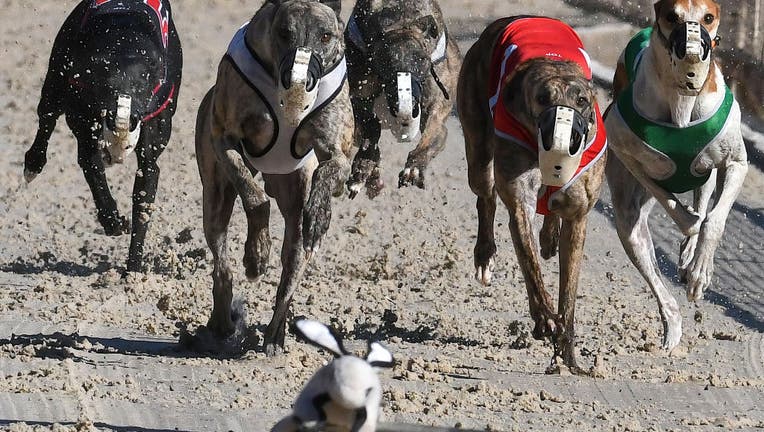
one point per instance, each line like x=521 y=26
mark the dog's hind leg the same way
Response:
x=89 y=160
x=701 y=199
x=549 y=236
x=154 y=140
x=291 y=192
x=632 y=205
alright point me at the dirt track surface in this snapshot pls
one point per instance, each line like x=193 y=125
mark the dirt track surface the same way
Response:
x=81 y=348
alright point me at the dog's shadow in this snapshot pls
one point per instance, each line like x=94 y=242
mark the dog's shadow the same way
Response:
x=47 y=262
x=422 y=333
x=76 y=347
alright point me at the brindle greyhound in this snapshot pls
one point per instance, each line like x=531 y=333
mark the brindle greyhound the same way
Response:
x=115 y=72
x=280 y=107
x=519 y=82
x=402 y=67
x=675 y=127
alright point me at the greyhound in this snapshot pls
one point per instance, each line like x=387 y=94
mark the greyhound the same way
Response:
x=674 y=127
x=280 y=107
x=345 y=394
x=402 y=67
x=533 y=133
x=115 y=72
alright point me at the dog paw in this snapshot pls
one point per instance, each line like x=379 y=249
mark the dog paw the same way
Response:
x=315 y=220
x=411 y=176
x=672 y=331
x=484 y=274
x=30 y=175
x=256 y=255
x=34 y=162
x=484 y=252
x=699 y=274
x=115 y=225
x=686 y=253
x=365 y=173
x=547 y=325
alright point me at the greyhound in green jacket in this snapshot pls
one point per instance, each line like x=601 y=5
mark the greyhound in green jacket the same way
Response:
x=674 y=127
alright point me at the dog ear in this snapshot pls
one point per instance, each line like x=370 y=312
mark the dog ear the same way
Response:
x=657 y=7
x=428 y=26
x=320 y=335
x=379 y=356
x=336 y=6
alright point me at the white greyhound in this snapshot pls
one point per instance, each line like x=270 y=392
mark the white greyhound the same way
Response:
x=675 y=127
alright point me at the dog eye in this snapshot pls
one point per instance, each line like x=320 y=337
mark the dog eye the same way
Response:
x=672 y=17
x=709 y=18
x=581 y=101
x=326 y=37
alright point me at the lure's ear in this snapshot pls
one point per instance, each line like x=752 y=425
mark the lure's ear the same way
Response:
x=320 y=335
x=379 y=356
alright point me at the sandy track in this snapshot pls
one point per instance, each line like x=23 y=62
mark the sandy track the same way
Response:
x=100 y=350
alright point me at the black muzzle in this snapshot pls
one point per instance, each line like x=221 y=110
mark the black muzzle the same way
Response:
x=553 y=117
x=679 y=37
x=315 y=70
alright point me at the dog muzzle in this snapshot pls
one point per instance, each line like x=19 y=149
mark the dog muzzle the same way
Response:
x=300 y=72
x=117 y=144
x=691 y=48
x=407 y=114
x=562 y=134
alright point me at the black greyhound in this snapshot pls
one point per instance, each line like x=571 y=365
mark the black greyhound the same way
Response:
x=115 y=72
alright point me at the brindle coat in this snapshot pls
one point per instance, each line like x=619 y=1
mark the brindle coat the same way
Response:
x=498 y=165
x=400 y=36
x=233 y=115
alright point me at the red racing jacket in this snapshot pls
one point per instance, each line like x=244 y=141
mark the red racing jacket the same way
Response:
x=522 y=40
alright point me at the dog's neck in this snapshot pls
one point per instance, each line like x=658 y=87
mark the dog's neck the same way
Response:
x=659 y=98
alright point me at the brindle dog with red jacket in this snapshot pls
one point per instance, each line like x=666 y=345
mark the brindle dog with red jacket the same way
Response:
x=534 y=135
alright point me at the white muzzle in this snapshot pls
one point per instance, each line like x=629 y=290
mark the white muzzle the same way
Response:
x=297 y=101
x=560 y=154
x=405 y=126
x=117 y=144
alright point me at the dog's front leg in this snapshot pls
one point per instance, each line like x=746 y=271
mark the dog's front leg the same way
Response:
x=49 y=110
x=89 y=160
x=291 y=192
x=430 y=145
x=688 y=221
x=517 y=190
x=701 y=199
x=154 y=140
x=328 y=179
x=572 y=238
x=254 y=200
x=729 y=182
x=365 y=169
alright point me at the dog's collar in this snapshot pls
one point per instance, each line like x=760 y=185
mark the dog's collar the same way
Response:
x=356 y=37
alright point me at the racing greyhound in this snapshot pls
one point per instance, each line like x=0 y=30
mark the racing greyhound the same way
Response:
x=280 y=107
x=402 y=67
x=115 y=72
x=534 y=134
x=674 y=127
